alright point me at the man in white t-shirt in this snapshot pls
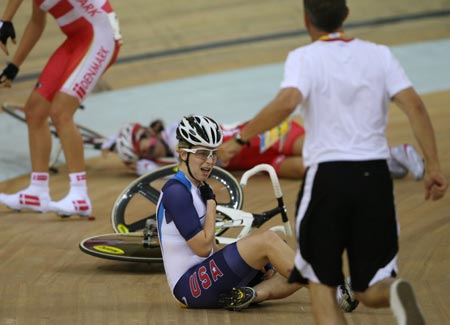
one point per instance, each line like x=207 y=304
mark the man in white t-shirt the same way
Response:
x=343 y=86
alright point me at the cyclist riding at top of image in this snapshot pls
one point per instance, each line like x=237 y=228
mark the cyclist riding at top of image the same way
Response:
x=144 y=149
x=201 y=274
x=91 y=46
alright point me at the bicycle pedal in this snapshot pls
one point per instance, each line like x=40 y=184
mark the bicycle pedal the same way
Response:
x=150 y=234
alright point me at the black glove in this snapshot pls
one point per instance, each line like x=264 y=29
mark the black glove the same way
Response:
x=6 y=31
x=206 y=192
x=10 y=72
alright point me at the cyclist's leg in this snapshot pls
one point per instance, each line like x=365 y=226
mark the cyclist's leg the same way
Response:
x=63 y=108
x=202 y=285
x=256 y=251
x=259 y=249
x=275 y=288
x=37 y=110
x=37 y=195
x=77 y=201
x=297 y=146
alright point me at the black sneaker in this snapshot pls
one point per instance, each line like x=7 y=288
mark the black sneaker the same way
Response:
x=237 y=298
x=345 y=297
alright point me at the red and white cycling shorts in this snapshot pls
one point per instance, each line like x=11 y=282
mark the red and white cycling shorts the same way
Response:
x=92 y=44
x=250 y=155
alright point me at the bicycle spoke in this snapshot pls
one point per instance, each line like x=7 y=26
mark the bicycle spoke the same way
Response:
x=149 y=192
x=138 y=225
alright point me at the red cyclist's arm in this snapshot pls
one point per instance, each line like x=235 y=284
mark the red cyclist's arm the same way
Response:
x=31 y=35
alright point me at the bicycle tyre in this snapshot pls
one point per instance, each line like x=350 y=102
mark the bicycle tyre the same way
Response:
x=122 y=223
x=121 y=247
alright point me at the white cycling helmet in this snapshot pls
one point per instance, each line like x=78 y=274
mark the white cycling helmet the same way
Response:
x=198 y=130
x=127 y=144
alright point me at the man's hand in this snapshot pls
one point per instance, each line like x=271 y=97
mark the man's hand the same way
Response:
x=435 y=186
x=227 y=151
x=8 y=75
x=6 y=31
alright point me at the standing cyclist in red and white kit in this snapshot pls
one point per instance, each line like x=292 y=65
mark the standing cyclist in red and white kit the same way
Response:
x=92 y=44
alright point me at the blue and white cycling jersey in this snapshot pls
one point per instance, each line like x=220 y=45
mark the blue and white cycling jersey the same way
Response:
x=181 y=215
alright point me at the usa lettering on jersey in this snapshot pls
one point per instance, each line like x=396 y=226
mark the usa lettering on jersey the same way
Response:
x=201 y=280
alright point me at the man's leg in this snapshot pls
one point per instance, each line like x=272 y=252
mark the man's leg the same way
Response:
x=399 y=295
x=376 y=296
x=324 y=305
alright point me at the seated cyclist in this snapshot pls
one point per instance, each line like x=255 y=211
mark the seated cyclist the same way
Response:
x=199 y=273
x=144 y=149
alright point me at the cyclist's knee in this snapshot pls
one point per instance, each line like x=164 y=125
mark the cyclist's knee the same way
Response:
x=58 y=117
x=61 y=117
x=36 y=114
x=271 y=238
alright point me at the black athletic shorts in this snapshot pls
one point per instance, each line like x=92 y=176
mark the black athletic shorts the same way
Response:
x=347 y=205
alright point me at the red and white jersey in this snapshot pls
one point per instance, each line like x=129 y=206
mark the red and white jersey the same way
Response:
x=67 y=12
x=92 y=44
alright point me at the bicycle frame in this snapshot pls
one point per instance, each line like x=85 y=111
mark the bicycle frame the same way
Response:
x=248 y=221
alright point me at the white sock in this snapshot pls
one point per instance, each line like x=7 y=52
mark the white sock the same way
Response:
x=39 y=182
x=78 y=183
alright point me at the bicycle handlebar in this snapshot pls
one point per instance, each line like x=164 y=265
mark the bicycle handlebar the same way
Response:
x=273 y=177
x=276 y=188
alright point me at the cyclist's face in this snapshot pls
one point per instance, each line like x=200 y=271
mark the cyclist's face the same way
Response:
x=152 y=148
x=201 y=161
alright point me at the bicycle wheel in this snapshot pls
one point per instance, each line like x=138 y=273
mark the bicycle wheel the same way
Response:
x=137 y=202
x=121 y=247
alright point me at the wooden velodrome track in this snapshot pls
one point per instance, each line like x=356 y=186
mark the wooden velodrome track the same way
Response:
x=45 y=279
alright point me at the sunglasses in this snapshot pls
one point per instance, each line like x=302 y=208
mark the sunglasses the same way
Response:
x=202 y=153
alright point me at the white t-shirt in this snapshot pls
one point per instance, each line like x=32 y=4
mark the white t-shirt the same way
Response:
x=346 y=88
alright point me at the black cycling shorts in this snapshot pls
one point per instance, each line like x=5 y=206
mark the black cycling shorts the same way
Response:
x=347 y=206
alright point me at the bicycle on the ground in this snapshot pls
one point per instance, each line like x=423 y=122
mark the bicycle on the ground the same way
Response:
x=135 y=238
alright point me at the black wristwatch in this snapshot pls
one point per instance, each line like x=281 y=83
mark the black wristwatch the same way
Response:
x=238 y=139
